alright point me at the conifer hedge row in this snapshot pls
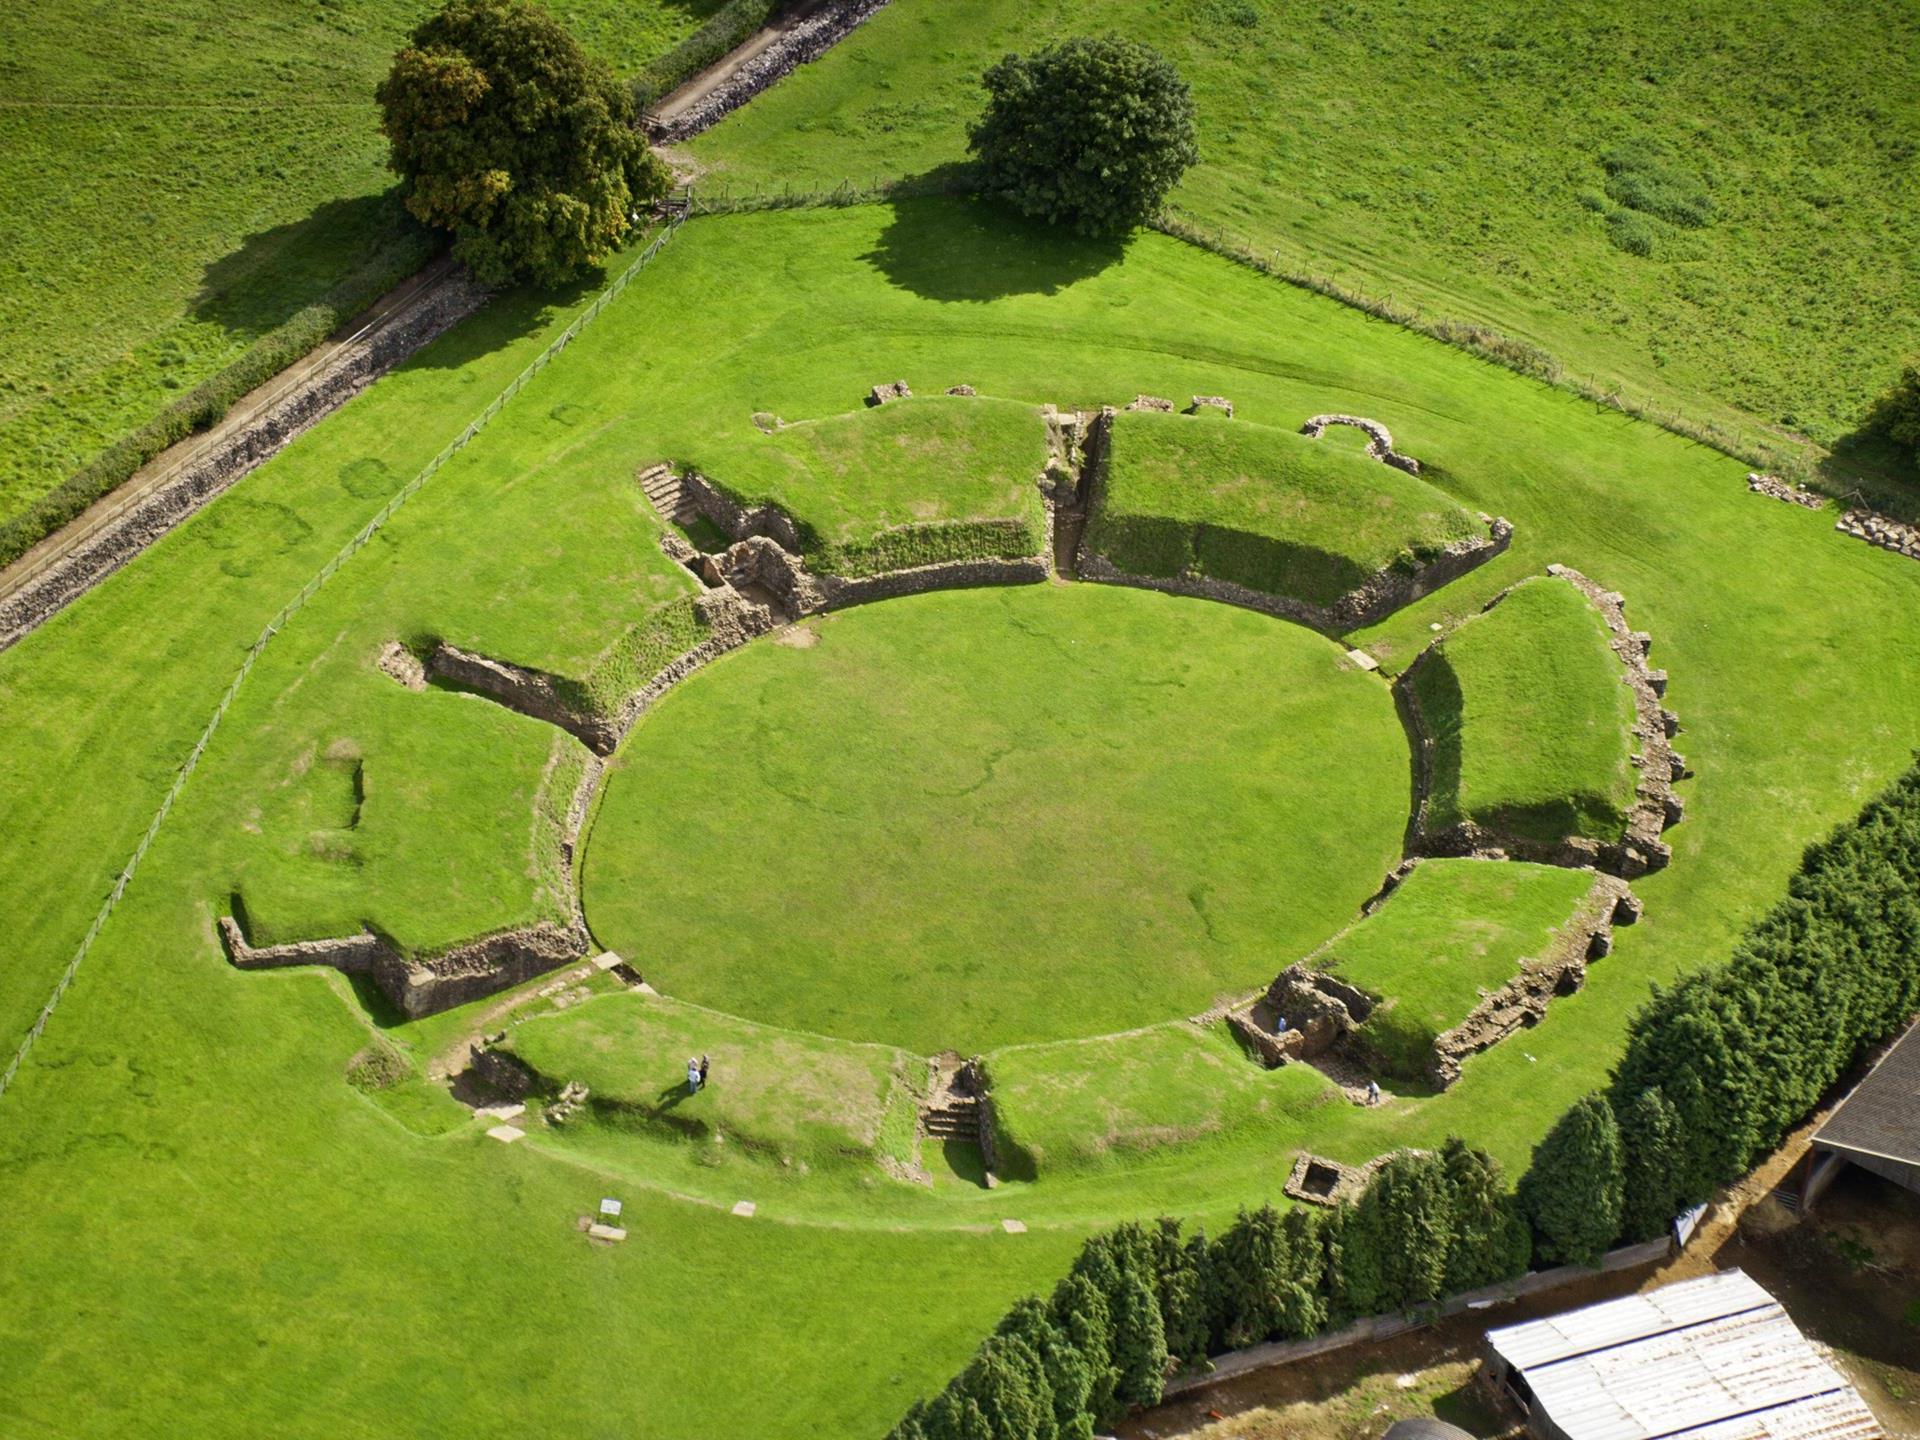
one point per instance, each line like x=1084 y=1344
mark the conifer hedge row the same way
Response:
x=1716 y=1071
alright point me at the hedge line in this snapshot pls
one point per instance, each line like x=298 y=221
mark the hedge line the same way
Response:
x=207 y=403
x=1716 y=1071
x=731 y=25
x=905 y=546
x=1140 y=1299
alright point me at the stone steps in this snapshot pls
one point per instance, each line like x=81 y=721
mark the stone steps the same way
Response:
x=665 y=492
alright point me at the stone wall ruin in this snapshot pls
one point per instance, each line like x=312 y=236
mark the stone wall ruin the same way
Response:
x=1379 y=439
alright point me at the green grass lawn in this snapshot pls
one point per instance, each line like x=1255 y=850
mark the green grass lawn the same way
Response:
x=1453 y=932
x=774 y=1099
x=1532 y=724
x=882 y=489
x=181 y=179
x=211 y=1231
x=1262 y=507
x=1499 y=164
x=949 y=822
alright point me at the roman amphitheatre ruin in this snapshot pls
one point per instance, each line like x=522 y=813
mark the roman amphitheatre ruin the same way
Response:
x=1072 y=731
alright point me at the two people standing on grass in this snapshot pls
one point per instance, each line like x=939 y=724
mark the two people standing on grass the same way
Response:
x=697 y=1074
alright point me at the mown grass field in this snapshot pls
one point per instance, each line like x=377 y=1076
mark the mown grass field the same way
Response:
x=1454 y=931
x=1498 y=164
x=211 y=1231
x=962 y=816
x=1532 y=726
x=1262 y=507
x=181 y=179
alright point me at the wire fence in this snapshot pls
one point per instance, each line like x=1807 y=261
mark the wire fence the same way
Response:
x=293 y=607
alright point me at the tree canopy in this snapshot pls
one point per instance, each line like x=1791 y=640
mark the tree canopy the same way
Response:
x=507 y=134
x=1090 y=133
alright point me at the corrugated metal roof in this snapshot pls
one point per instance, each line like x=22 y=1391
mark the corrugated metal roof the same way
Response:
x=1615 y=1322
x=1882 y=1115
x=1840 y=1415
x=1709 y=1359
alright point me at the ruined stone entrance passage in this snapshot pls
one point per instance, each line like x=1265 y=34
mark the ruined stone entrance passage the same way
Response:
x=979 y=818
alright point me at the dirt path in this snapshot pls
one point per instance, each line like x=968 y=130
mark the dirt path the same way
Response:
x=122 y=523
x=391 y=311
x=676 y=105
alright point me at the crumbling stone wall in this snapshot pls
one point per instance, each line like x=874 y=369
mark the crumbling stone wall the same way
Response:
x=1561 y=970
x=423 y=984
x=1379 y=439
x=350 y=371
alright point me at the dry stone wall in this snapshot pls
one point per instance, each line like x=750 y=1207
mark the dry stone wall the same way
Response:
x=349 y=372
x=801 y=42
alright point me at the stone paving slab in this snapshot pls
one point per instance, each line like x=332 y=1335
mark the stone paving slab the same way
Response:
x=612 y=1234
x=502 y=1112
x=506 y=1134
x=745 y=1209
x=1013 y=1227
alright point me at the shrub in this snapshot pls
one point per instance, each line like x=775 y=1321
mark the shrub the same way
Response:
x=1572 y=1191
x=505 y=133
x=1651 y=1143
x=1645 y=180
x=1897 y=413
x=1394 y=1242
x=1088 y=133
x=1632 y=233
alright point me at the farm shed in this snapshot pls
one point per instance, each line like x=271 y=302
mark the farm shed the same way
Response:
x=1709 y=1359
x=1877 y=1127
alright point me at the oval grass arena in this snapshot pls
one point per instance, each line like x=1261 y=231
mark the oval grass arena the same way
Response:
x=979 y=818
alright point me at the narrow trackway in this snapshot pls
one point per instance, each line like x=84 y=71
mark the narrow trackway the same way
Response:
x=393 y=308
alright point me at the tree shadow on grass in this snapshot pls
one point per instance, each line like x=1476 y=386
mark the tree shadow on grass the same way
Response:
x=975 y=249
x=349 y=253
x=340 y=250
x=1868 y=465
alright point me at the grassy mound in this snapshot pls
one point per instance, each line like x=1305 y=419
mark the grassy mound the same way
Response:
x=1453 y=931
x=942 y=871
x=1531 y=723
x=773 y=1096
x=913 y=482
x=1262 y=507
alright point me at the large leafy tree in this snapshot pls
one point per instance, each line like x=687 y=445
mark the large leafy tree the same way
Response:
x=504 y=132
x=1088 y=133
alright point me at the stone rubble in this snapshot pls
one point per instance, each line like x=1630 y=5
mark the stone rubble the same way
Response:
x=1778 y=489
x=1211 y=402
x=1881 y=530
x=881 y=394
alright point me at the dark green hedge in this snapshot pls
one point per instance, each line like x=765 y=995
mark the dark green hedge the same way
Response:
x=1717 y=1070
x=1140 y=1299
x=732 y=24
x=207 y=403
